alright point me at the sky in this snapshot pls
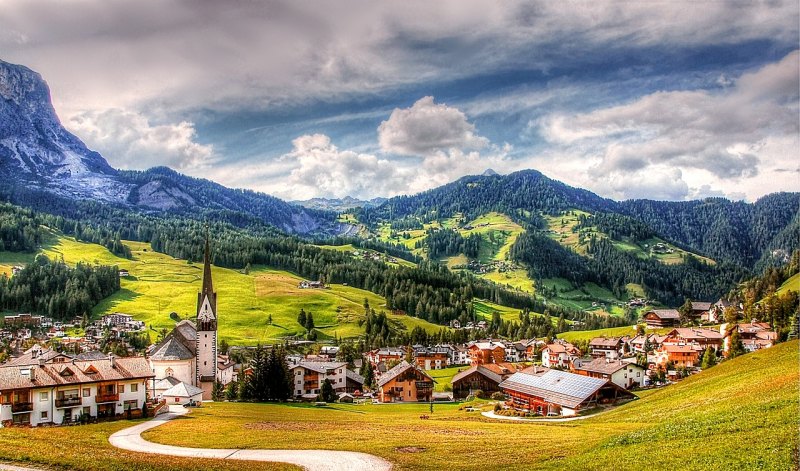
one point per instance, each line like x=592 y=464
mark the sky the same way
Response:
x=669 y=100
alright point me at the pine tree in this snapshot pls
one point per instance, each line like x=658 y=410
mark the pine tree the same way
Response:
x=735 y=347
x=709 y=359
x=309 y=322
x=217 y=393
x=367 y=373
x=327 y=393
x=301 y=318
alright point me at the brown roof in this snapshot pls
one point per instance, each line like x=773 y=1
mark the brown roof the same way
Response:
x=398 y=370
x=605 y=342
x=693 y=333
x=560 y=347
x=700 y=306
x=78 y=372
x=665 y=313
x=679 y=348
x=600 y=365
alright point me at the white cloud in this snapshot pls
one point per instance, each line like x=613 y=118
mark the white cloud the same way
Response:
x=426 y=128
x=129 y=141
x=740 y=134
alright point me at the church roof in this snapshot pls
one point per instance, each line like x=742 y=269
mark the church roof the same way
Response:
x=171 y=349
x=182 y=390
x=166 y=383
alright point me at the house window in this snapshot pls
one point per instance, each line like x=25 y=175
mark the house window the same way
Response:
x=86 y=392
x=87 y=410
x=122 y=389
x=132 y=404
x=43 y=396
x=638 y=374
x=134 y=387
x=340 y=380
x=43 y=415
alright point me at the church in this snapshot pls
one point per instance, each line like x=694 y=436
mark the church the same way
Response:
x=185 y=363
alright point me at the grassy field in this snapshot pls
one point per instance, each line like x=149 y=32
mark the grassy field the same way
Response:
x=159 y=284
x=587 y=335
x=86 y=448
x=700 y=423
x=444 y=377
x=792 y=284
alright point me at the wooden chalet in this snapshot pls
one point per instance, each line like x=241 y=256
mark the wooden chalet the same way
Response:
x=405 y=383
x=662 y=318
x=486 y=378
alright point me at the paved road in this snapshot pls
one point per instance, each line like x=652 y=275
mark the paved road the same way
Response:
x=312 y=460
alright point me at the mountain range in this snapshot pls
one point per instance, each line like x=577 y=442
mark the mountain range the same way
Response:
x=38 y=156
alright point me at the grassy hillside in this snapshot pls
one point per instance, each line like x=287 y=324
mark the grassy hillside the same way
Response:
x=587 y=335
x=792 y=284
x=159 y=284
x=700 y=423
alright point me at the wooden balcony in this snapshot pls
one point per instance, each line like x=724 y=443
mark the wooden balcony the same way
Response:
x=101 y=398
x=17 y=407
x=68 y=402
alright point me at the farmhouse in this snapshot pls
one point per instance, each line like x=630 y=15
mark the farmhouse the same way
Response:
x=486 y=378
x=58 y=389
x=311 y=285
x=662 y=318
x=757 y=335
x=559 y=392
x=622 y=373
x=559 y=354
x=405 y=383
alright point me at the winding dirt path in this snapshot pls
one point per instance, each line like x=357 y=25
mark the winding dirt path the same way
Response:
x=312 y=460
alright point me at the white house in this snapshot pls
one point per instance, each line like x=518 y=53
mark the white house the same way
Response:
x=59 y=390
x=182 y=393
x=622 y=373
x=308 y=377
x=559 y=354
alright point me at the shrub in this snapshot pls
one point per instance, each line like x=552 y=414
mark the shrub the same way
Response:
x=498 y=396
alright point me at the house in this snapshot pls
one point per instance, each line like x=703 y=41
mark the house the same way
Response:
x=308 y=377
x=624 y=374
x=698 y=309
x=431 y=358
x=23 y=320
x=757 y=335
x=123 y=273
x=515 y=351
x=182 y=393
x=405 y=383
x=559 y=354
x=486 y=378
x=662 y=318
x=716 y=312
x=459 y=355
x=695 y=336
x=685 y=356
x=559 y=392
x=311 y=285
x=58 y=389
x=487 y=352
x=115 y=319
x=606 y=347
x=383 y=355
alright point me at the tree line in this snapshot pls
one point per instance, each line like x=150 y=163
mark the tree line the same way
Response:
x=53 y=289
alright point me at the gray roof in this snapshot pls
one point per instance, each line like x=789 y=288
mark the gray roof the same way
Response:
x=321 y=366
x=182 y=390
x=166 y=383
x=665 y=313
x=557 y=387
x=354 y=376
x=171 y=349
x=601 y=365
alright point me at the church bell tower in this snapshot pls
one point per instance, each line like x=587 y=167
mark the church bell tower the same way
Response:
x=206 y=361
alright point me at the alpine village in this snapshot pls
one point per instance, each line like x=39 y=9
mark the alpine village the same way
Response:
x=151 y=320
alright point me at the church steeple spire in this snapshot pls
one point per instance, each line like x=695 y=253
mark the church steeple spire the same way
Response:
x=208 y=286
x=207 y=298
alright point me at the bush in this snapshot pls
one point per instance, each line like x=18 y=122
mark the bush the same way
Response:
x=498 y=407
x=480 y=394
x=498 y=396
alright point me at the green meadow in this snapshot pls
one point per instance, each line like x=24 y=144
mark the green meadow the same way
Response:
x=159 y=285
x=699 y=423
